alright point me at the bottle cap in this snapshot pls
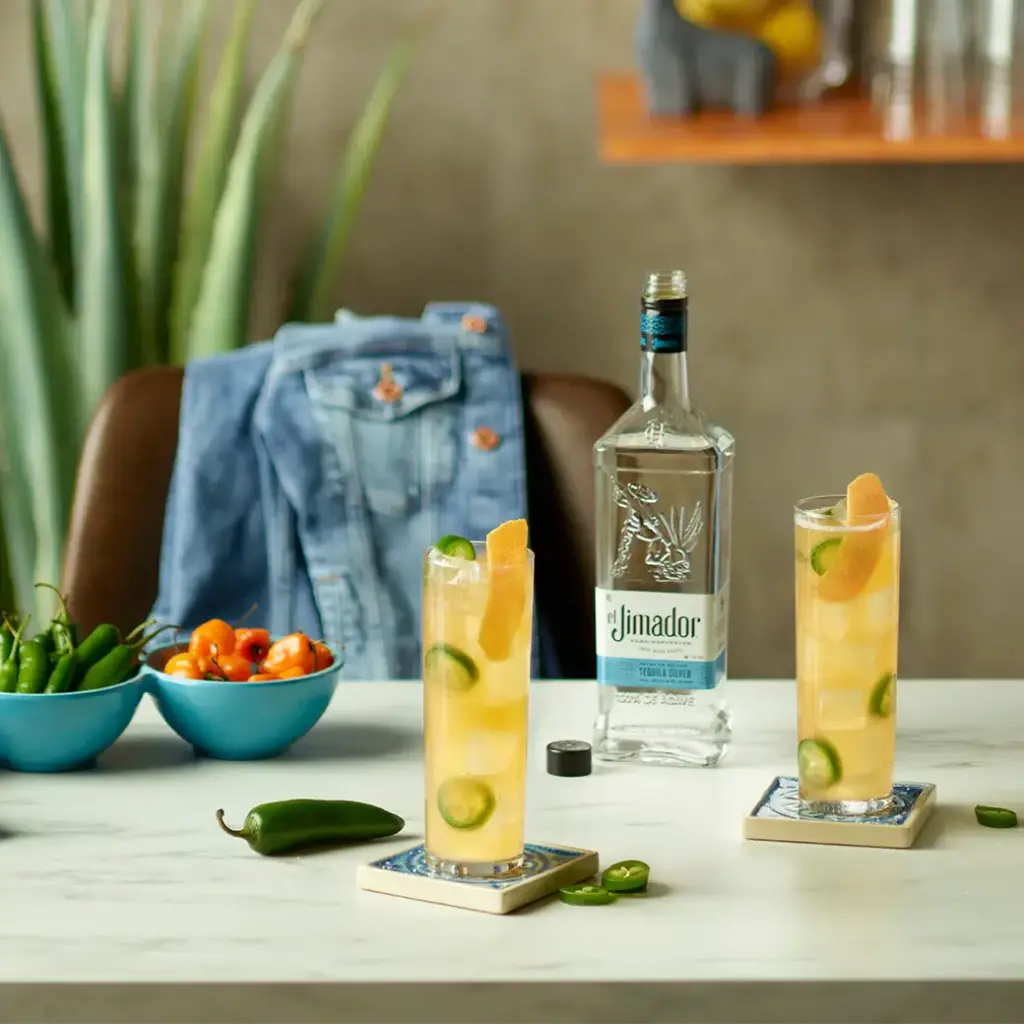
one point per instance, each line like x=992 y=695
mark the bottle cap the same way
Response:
x=569 y=758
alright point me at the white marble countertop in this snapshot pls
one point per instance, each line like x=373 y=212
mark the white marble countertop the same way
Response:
x=120 y=874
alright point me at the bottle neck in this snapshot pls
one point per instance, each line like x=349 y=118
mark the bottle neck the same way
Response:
x=663 y=378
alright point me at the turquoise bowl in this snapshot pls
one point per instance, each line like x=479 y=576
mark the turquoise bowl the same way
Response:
x=58 y=732
x=241 y=721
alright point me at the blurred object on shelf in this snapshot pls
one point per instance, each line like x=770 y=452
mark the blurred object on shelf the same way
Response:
x=895 y=47
x=997 y=35
x=687 y=67
x=789 y=28
x=837 y=63
x=914 y=69
x=936 y=65
x=946 y=34
x=810 y=40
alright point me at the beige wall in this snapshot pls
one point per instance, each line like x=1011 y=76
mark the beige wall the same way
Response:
x=843 y=318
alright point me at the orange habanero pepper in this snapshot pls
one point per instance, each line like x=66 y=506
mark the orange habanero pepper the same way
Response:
x=252 y=644
x=232 y=667
x=183 y=666
x=291 y=673
x=211 y=640
x=261 y=677
x=293 y=651
x=322 y=657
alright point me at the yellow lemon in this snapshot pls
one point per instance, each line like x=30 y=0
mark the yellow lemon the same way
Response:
x=733 y=15
x=793 y=34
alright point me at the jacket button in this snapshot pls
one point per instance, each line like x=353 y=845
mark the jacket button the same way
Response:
x=474 y=323
x=387 y=389
x=485 y=439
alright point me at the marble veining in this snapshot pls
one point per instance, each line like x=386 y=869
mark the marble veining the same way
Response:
x=120 y=874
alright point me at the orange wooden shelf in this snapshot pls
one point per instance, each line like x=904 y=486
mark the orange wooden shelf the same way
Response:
x=842 y=129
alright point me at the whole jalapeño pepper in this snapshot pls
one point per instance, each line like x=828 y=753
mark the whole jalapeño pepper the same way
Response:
x=286 y=826
x=33 y=667
x=9 y=667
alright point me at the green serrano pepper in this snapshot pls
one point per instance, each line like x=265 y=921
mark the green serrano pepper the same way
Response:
x=45 y=641
x=6 y=640
x=113 y=668
x=287 y=826
x=33 y=667
x=9 y=668
x=98 y=644
x=62 y=628
x=65 y=674
x=116 y=665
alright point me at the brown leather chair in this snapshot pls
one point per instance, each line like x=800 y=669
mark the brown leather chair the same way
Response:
x=112 y=560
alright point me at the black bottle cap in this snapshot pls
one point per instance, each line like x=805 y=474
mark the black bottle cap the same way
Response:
x=569 y=758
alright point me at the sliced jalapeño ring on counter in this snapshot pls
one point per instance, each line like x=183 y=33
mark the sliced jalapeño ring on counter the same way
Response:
x=995 y=817
x=466 y=802
x=880 y=701
x=450 y=666
x=585 y=894
x=626 y=876
x=819 y=763
x=455 y=546
x=824 y=554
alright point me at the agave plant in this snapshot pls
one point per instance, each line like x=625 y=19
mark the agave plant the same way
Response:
x=146 y=255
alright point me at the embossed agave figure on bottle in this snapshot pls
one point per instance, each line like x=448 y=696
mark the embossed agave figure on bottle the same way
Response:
x=664 y=508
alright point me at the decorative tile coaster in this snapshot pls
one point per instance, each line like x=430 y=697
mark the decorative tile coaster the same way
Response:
x=544 y=871
x=777 y=817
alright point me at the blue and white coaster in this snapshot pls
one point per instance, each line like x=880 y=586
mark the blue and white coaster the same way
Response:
x=777 y=817
x=545 y=870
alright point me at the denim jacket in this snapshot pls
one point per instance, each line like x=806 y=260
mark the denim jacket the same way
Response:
x=312 y=471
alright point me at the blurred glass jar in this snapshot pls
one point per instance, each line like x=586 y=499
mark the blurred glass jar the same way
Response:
x=917 y=63
x=941 y=66
x=836 y=63
x=998 y=27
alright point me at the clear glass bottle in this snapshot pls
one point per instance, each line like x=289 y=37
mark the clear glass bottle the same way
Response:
x=664 y=511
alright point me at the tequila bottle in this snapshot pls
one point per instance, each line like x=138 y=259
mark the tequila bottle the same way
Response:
x=664 y=507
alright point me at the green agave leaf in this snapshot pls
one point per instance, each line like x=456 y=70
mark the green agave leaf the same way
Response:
x=132 y=105
x=36 y=383
x=18 y=556
x=59 y=34
x=163 y=121
x=210 y=174
x=314 y=296
x=103 y=300
x=58 y=213
x=8 y=599
x=221 y=314
x=135 y=65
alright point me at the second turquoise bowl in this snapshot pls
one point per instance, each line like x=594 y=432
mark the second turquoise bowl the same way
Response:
x=241 y=721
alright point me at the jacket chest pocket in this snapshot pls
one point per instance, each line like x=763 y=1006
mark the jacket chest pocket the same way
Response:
x=389 y=419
